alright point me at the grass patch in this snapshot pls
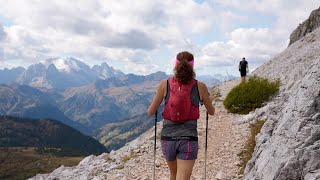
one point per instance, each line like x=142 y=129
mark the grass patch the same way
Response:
x=250 y=95
x=247 y=151
x=128 y=157
x=23 y=163
x=115 y=135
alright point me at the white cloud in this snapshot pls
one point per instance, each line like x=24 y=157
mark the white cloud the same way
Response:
x=2 y=33
x=96 y=30
x=257 y=45
x=126 y=32
x=287 y=12
x=140 y=63
x=143 y=69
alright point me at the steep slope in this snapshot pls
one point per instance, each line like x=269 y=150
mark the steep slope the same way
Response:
x=110 y=100
x=10 y=75
x=115 y=135
x=25 y=101
x=288 y=146
x=23 y=132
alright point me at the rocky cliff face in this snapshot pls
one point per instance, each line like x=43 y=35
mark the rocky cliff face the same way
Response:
x=288 y=146
x=306 y=27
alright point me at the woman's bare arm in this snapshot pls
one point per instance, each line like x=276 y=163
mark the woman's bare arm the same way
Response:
x=204 y=95
x=157 y=99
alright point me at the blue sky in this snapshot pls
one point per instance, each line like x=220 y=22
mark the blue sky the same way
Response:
x=144 y=37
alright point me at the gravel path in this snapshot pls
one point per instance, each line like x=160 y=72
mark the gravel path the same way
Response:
x=226 y=138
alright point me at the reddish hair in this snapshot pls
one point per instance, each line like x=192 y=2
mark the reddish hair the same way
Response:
x=183 y=71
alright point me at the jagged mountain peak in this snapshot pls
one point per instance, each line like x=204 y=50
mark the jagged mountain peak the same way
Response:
x=67 y=64
x=104 y=71
x=104 y=64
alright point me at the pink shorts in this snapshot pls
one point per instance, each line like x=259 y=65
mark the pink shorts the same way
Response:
x=179 y=149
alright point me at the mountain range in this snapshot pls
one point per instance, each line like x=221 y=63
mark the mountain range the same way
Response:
x=63 y=73
x=88 y=99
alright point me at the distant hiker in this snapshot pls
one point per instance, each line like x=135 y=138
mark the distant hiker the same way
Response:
x=243 y=68
x=182 y=95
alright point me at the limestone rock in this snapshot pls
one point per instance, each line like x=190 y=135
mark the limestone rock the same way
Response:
x=219 y=175
x=306 y=27
x=288 y=145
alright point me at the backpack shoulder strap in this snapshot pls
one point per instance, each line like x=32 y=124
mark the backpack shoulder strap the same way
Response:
x=194 y=81
x=166 y=98
x=198 y=90
x=195 y=95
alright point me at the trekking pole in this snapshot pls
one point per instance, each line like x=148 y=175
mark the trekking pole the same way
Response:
x=155 y=145
x=206 y=147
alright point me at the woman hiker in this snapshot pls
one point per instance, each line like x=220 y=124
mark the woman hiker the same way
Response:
x=182 y=95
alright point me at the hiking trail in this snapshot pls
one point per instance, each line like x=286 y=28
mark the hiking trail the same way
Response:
x=226 y=137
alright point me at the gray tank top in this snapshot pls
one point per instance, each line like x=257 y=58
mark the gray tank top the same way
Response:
x=174 y=129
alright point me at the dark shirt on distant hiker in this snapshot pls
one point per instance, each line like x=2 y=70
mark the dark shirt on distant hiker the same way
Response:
x=243 y=67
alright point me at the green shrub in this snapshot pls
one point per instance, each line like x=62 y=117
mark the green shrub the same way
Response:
x=248 y=149
x=250 y=95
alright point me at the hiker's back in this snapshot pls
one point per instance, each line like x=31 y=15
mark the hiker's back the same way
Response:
x=243 y=64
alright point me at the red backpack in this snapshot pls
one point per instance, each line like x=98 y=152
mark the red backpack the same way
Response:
x=179 y=107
